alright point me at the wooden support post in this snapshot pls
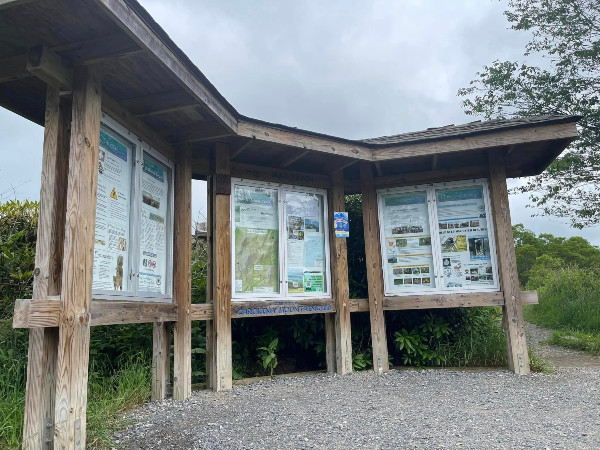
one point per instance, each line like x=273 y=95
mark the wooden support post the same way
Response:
x=161 y=360
x=182 y=276
x=78 y=257
x=512 y=313
x=374 y=269
x=330 y=342
x=210 y=241
x=339 y=275
x=38 y=425
x=221 y=190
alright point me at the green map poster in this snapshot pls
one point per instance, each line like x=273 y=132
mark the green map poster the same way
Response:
x=256 y=240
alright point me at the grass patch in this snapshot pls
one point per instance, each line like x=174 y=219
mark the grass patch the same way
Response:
x=538 y=364
x=579 y=340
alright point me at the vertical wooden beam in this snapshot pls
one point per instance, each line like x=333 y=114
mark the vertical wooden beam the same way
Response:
x=339 y=275
x=374 y=269
x=210 y=354
x=161 y=359
x=330 y=342
x=38 y=424
x=182 y=276
x=512 y=313
x=78 y=258
x=222 y=368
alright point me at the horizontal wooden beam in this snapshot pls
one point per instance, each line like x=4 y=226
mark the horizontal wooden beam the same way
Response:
x=153 y=104
x=202 y=311
x=442 y=301
x=94 y=51
x=46 y=313
x=433 y=176
x=244 y=309
x=49 y=67
x=295 y=139
x=196 y=132
x=293 y=157
x=481 y=141
x=277 y=175
x=137 y=29
x=238 y=151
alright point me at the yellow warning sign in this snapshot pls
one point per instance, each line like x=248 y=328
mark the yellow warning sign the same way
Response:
x=113 y=194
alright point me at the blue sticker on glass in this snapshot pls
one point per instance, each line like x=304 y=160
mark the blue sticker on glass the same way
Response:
x=341 y=224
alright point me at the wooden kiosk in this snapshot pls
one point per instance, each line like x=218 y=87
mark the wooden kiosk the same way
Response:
x=130 y=121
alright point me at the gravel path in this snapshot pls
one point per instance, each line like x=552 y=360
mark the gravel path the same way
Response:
x=402 y=409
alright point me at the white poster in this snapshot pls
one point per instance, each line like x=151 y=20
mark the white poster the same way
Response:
x=113 y=203
x=407 y=244
x=153 y=226
x=305 y=243
x=464 y=239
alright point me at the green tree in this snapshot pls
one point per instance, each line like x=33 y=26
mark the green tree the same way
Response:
x=560 y=75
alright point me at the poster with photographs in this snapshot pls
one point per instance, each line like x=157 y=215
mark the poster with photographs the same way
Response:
x=408 y=254
x=464 y=239
x=113 y=205
x=153 y=226
x=256 y=239
x=305 y=243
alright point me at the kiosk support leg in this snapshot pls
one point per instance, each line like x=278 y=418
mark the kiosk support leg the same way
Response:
x=221 y=327
x=339 y=272
x=38 y=425
x=161 y=359
x=76 y=286
x=182 y=277
x=512 y=313
x=374 y=271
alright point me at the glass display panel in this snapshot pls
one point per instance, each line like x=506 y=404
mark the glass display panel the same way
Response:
x=256 y=240
x=154 y=223
x=464 y=240
x=113 y=212
x=408 y=258
x=305 y=243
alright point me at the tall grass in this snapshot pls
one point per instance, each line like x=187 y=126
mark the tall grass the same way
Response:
x=569 y=299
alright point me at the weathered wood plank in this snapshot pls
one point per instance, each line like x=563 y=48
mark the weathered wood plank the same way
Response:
x=514 y=326
x=76 y=292
x=339 y=276
x=182 y=268
x=238 y=151
x=277 y=175
x=268 y=133
x=293 y=157
x=43 y=342
x=111 y=312
x=374 y=270
x=464 y=300
x=161 y=360
x=330 y=342
x=529 y=298
x=49 y=67
x=210 y=280
x=202 y=311
x=258 y=308
x=133 y=25
x=434 y=176
x=481 y=141
x=222 y=370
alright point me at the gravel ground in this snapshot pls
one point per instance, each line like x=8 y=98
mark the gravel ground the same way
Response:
x=402 y=409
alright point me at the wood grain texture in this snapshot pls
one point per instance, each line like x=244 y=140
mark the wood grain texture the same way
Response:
x=182 y=269
x=222 y=370
x=330 y=342
x=202 y=311
x=40 y=389
x=210 y=279
x=514 y=326
x=529 y=298
x=49 y=67
x=137 y=29
x=257 y=308
x=277 y=175
x=434 y=176
x=481 y=141
x=76 y=292
x=161 y=360
x=111 y=312
x=268 y=133
x=374 y=270
x=339 y=278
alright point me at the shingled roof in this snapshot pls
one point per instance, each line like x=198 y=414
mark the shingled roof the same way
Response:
x=467 y=129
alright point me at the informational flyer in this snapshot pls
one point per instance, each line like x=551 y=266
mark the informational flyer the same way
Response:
x=154 y=226
x=256 y=218
x=113 y=204
x=464 y=239
x=305 y=243
x=407 y=244
x=341 y=224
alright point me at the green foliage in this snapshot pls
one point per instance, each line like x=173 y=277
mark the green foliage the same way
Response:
x=565 y=36
x=268 y=355
x=589 y=342
x=363 y=360
x=569 y=299
x=418 y=346
x=538 y=256
x=538 y=364
x=18 y=232
x=357 y=269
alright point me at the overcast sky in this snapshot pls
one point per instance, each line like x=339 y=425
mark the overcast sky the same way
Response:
x=351 y=69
